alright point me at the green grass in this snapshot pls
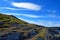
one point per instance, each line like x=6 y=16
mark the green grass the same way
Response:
x=8 y=19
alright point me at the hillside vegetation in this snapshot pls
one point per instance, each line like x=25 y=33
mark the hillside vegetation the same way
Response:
x=11 y=24
x=12 y=28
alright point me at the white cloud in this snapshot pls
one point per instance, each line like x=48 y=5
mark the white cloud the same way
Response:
x=53 y=16
x=29 y=15
x=47 y=23
x=36 y=16
x=29 y=21
x=51 y=11
x=43 y=23
x=10 y=8
x=26 y=15
x=50 y=24
x=33 y=16
x=25 y=5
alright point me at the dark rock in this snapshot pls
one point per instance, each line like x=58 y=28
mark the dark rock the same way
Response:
x=12 y=36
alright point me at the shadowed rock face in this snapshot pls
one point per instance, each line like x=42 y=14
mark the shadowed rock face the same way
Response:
x=12 y=36
x=16 y=36
x=53 y=34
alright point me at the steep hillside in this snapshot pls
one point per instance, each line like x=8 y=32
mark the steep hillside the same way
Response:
x=10 y=20
x=12 y=28
x=11 y=24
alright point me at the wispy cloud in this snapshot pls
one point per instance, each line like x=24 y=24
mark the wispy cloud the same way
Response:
x=26 y=15
x=46 y=23
x=43 y=23
x=25 y=5
x=30 y=15
x=51 y=11
x=30 y=6
x=33 y=16
x=53 y=16
x=9 y=8
x=29 y=21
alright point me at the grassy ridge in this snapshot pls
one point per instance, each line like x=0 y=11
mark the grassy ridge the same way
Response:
x=8 y=22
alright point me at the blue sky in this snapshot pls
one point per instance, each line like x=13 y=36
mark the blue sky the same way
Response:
x=41 y=12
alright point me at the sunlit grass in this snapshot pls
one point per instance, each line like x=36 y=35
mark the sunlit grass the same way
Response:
x=42 y=33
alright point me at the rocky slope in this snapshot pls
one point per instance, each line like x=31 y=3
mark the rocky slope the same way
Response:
x=12 y=28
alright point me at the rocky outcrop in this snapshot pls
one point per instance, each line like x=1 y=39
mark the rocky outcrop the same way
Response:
x=12 y=36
